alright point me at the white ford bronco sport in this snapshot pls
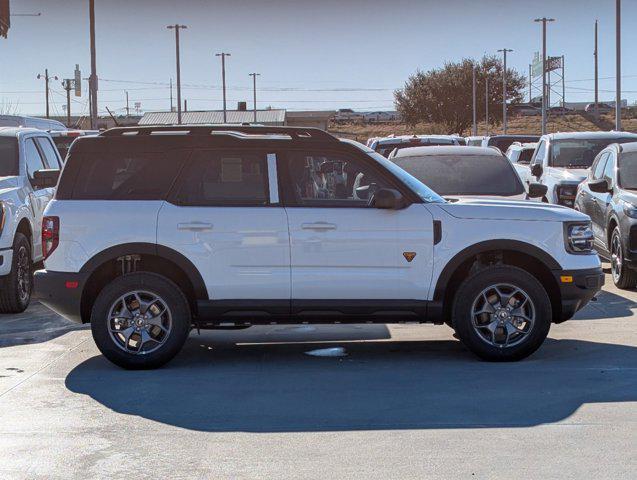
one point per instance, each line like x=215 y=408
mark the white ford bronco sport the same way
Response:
x=156 y=230
x=29 y=169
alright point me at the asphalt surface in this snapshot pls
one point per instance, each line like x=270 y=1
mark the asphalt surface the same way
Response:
x=406 y=402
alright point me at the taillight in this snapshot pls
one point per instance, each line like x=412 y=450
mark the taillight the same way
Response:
x=50 y=235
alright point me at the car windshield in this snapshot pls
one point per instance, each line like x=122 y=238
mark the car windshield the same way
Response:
x=580 y=152
x=8 y=157
x=415 y=185
x=386 y=149
x=63 y=144
x=627 y=171
x=464 y=175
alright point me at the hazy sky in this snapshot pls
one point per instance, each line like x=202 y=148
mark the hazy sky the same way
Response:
x=318 y=54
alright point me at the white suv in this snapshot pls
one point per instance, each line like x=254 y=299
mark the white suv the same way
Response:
x=29 y=168
x=156 y=230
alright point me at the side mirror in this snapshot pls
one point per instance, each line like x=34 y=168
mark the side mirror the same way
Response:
x=537 y=190
x=599 y=186
x=45 y=178
x=536 y=169
x=388 y=199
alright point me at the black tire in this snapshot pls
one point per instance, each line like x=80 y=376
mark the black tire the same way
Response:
x=623 y=276
x=15 y=288
x=471 y=289
x=169 y=293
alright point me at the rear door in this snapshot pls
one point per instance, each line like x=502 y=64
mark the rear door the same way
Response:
x=341 y=248
x=224 y=215
x=589 y=199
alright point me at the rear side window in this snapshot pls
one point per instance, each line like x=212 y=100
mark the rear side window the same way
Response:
x=218 y=178
x=125 y=176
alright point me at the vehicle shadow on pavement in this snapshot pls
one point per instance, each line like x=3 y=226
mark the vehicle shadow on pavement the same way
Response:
x=219 y=385
x=37 y=324
x=608 y=305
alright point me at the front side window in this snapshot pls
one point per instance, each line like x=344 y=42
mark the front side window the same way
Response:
x=598 y=167
x=525 y=156
x=609 y=170
x=539 y=153
x=217 y=178
x=9 y=157
x=33 y=158
x=331 y=179
x=464 y=175
x=125 y=176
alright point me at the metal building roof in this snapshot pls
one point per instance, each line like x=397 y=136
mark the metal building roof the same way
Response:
x=265 y=117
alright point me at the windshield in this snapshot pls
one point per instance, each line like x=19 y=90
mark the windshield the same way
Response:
x=415 y=185
x=8 y=157
x=386 y=149
x=465 y=175
x=627 y=171
x=63 y=144
x=580 y=152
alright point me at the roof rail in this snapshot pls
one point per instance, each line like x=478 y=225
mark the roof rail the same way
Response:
x=295 y=133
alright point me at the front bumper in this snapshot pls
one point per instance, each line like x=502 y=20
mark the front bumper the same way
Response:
x=6 y=260
x=61 y=292
x=577 y=288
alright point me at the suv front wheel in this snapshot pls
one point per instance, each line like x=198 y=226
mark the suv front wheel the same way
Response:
x=502 y=313
x=140 y=320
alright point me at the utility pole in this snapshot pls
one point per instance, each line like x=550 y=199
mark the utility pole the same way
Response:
x=530 y=83
x=474 y=129
x=127 y=109
x=254 y=93
x=486 y=105
x=596 y=56
x=618 y=65
x=544 y=21
x=504 y=88
x=223 y=82
x=46 y=87
x=171 y=94
x=563 y=85
x=177 y=27
x=93 y=78
x=67 y=83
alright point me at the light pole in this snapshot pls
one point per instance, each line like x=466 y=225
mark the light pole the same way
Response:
x=504 y=88
x=92 y=82
x=46 y=87
x=544 y=21
x=474 y=129
x=486 y=103
x=596 y=56
x=618 y=65
x=177 y=27
x=223 y=56
x=254 y=93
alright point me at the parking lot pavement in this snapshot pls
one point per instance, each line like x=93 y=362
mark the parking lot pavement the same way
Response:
x=407 y=402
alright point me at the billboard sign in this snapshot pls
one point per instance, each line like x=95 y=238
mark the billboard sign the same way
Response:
x=78 y=81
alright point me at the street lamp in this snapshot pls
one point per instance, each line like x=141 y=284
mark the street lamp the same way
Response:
x=544 y=21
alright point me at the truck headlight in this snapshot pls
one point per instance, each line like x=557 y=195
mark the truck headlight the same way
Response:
x=566 y=194
x=630 y=210
x=578 y=237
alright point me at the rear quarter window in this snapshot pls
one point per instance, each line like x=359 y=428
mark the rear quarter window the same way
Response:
x=119 y=176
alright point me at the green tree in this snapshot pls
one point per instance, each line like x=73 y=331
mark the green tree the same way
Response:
x=444 y=95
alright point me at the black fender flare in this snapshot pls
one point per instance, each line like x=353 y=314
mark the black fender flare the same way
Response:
x=486 y=246
x=140 y=248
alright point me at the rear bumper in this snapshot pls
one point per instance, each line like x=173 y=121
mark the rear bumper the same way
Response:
x=61 y=292
x=577 y=288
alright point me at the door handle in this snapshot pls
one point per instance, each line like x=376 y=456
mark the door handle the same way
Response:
x=318 y=226
x=194 y=226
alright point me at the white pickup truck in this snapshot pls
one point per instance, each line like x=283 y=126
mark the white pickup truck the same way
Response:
x=29 y=168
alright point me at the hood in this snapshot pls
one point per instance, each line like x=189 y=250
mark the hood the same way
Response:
x=8 y=183
x=629 y=196
x=511 y=210
x=456 y=198
x=575 y=175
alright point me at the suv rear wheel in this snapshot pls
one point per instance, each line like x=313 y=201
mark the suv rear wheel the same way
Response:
x=502 y=313
x=15 y=288
x=140 y=320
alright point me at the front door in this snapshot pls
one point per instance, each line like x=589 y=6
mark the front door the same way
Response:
x=224 y=216
x=341 y=248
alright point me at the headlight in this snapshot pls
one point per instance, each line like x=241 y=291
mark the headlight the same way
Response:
x=630 y=210
x=566 y=194
x=578 y=237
